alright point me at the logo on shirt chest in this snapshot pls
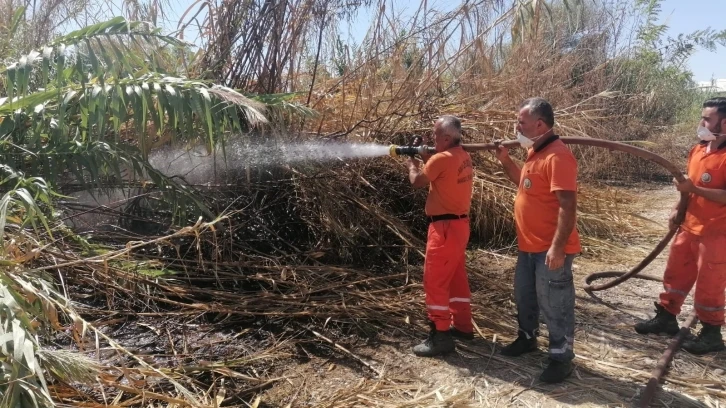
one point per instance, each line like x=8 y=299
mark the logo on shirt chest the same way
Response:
x=706 y=178
x=527 y=183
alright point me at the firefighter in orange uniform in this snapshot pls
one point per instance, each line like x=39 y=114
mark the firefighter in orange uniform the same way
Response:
x=698 y=253
x=449 y=175
x=547 y=239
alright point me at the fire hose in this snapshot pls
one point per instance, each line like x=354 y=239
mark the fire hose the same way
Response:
x=619 y=277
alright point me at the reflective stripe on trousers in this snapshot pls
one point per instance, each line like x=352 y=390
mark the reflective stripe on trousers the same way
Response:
x=445 y=281
x=701 y=261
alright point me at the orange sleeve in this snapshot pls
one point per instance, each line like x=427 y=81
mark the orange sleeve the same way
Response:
x=690 y=162
x=434 y=167
x=562 y=170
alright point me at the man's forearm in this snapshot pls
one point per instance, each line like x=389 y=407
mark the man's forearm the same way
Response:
x=566 y=220
x=712 y=194
x=413 y=173
x=513 y=171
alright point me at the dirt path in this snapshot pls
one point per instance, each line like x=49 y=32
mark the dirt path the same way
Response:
x=613 y=362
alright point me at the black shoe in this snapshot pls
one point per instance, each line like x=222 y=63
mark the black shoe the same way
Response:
x=708 y=340
x=663 y=323
x=520 y=346
x=556 y=371
x=438 y=343
x=461 y=334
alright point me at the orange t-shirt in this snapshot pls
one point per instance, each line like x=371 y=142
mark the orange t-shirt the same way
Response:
x=451 y=179
x=707 y=170
x=536 y=208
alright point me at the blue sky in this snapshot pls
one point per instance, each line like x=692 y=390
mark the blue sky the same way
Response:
x=690 y=15
x=682 y=16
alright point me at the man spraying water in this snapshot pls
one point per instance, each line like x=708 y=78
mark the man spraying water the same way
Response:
x=449 y=175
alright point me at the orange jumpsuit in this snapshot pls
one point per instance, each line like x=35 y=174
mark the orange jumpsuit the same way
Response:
x=448 y=299
x=698 y=253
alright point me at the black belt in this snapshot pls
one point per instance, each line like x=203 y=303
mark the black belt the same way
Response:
x=442 y=217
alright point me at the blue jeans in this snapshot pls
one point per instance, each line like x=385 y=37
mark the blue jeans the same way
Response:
x=537 y=288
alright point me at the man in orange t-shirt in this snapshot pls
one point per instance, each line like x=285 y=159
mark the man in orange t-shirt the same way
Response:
x=545 y=215
x=449 y=175
x=698 y=253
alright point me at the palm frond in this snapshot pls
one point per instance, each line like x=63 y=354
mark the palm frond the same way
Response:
x=23 y=309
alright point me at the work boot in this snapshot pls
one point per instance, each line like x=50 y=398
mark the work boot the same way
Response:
x=461 y=334
x=520 y=346
x=708 y=340
x=438 y=343
x=663 y=322
x=556 y=371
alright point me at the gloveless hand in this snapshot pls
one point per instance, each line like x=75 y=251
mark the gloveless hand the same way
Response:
x=413 y=164
x=502 y=153
x=555 y=258
x=425 y=155
x=685 y=186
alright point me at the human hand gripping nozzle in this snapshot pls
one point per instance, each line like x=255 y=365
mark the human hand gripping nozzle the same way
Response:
x=414 y=147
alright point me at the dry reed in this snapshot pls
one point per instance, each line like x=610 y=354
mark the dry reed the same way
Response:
x=315 y=260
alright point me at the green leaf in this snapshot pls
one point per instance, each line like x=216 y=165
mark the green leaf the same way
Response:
x=29 y=356
x=59 y=66
x=28 y=102
x=11 y=73
x=18 y=340
x=95 y=64
x=17 y=18
x=208 y=113
x=4 y=203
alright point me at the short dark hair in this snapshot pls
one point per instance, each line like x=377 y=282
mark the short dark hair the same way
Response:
x=719 y=103
x=540 y=108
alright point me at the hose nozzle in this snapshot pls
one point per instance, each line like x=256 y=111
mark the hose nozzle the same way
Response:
x=396 y=150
